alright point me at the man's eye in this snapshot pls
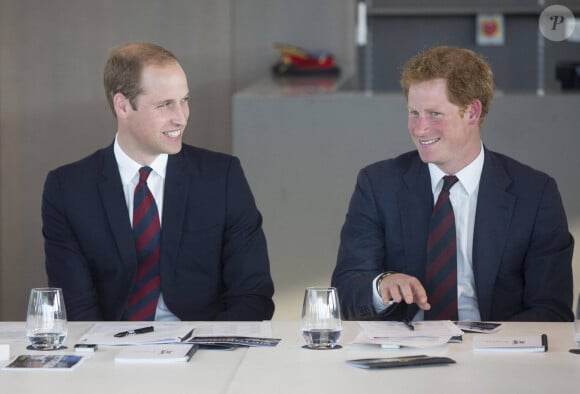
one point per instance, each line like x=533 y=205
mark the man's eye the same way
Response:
x=164 y=105
x=435 y=114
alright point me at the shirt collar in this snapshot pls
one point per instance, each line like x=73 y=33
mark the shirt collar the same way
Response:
x=128 y=168
x=468 y=176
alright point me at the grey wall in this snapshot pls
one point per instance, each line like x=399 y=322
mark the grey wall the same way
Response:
x=53 y=109
x=398 y=29
x=302 y=153
x=52 y=106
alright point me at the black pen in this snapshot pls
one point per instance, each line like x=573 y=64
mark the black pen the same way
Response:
x=134 y=332
x=409 y=324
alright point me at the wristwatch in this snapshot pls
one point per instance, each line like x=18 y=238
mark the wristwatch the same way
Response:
x=380 y=279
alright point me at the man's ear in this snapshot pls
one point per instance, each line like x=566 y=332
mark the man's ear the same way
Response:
x=122 y=105
x=474 y=112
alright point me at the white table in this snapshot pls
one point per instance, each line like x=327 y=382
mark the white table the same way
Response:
x=288 y=368
x=291 y=369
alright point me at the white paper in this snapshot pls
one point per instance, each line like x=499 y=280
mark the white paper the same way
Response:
x=164 y=332
x=392 y=333
x=260 y=329
x=151 y=354
x=4 y=352
x=493 y=343
x=172 y=332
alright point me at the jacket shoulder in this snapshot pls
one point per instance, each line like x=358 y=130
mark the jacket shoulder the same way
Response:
x=83 y=167
x=393 y=169
x=201 y=156
x=518 y=172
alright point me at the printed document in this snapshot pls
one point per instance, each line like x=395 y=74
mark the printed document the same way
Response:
x=396 y=334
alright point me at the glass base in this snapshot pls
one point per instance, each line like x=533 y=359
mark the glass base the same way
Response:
x=30 y=347
x=322 y=347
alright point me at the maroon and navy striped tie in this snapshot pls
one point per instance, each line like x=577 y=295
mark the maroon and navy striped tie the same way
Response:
x=147 y=233
x=441 y=275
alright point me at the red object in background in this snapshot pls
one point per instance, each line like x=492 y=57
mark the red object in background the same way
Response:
x=298 y=61
x=490 y=28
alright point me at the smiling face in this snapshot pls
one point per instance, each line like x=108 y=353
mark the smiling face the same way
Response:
x=444 y=134
x=161 y=111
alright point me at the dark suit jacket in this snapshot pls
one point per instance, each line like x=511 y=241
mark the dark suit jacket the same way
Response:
x=214 y=261
x=522 y=249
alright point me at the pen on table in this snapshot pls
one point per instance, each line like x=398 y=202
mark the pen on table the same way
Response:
x=409 y=324
x=134 y=332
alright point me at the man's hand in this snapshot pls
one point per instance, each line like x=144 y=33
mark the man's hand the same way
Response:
x=400 y=287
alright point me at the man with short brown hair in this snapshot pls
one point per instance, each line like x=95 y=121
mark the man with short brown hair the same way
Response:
x=453 y=231
x=150 y=228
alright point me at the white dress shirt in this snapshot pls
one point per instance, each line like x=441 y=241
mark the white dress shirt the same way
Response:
x=463 y=196
x=129 y=170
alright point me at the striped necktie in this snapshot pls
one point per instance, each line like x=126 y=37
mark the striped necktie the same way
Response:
x=441 y=275
x=147 y=234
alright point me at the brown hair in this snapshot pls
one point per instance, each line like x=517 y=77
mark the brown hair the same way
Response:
x=123 y=69
x=468 y=76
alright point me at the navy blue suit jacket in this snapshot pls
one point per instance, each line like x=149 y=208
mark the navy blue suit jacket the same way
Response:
x=214 y=261
x=522 y=249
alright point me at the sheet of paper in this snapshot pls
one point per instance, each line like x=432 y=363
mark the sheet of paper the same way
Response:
x=392 y=333
x=164 y=332
x=171 y=332
x=151 y=354
x=494 y=343
x=261 y=329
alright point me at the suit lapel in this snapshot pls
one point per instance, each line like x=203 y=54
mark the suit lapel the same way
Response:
x=111 y=190
x=415 y=204
x=494 y=212
x=177 y=184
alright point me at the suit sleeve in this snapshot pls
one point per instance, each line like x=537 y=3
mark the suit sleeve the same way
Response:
x=66 y=266
x=248 y=286
x=548 y=292
x=361 y=254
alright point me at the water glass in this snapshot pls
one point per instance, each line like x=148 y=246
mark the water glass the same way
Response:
x=577 y=322
x=321 y=324
x=46 y=323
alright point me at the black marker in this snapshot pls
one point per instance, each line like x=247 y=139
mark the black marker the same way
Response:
x=134 y=332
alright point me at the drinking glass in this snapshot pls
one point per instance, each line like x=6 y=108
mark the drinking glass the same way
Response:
x=321 y=324
x=577 y=322
x=46 y=324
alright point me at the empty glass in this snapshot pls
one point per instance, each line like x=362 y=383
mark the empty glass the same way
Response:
x=321 y=324
x=46 y=324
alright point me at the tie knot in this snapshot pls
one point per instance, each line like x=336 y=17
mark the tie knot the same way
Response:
x=449 y=181
x=144 y=174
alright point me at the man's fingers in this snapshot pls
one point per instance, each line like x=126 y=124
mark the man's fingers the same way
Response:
x=391 y=293
x=401 y=287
